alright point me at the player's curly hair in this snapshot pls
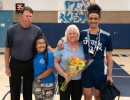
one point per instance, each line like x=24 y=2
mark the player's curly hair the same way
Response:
x=94 y=8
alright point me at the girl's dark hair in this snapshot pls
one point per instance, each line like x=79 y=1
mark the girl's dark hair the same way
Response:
x=94 y=8
x=34 y=48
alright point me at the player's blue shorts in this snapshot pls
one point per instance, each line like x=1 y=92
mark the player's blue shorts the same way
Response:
x=94 y=76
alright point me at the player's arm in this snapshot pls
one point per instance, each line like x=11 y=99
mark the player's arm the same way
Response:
x=109 y=64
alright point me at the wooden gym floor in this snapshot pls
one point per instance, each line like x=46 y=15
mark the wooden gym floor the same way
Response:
x=121 y=74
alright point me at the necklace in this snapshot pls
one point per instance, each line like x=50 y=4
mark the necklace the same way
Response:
x=93 y=50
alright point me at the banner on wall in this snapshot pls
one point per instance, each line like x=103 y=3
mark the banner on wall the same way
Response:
x=74 y=11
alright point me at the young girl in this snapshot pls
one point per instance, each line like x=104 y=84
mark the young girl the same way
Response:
x=43 y=64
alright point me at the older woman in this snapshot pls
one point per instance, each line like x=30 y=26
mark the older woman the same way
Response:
x=71 y=48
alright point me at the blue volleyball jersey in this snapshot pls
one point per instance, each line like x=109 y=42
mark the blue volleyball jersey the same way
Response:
x=40 y=66
x=105 y=42
x=94 y=46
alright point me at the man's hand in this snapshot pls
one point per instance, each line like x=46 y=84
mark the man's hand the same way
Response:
x=8 y=72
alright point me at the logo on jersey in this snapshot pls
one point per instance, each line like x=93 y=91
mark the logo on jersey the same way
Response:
x=93 y=43
x=42 y=61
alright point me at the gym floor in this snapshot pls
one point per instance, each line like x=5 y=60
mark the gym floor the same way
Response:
x=121 y=74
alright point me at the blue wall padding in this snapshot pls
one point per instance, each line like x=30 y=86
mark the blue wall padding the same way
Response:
x=120 y=32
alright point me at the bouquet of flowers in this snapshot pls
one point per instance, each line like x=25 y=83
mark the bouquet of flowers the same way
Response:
x=73 y=68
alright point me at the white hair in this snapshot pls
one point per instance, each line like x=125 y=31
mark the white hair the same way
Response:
x=74 y=28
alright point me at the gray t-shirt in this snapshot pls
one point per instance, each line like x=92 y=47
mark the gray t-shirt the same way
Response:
x=20 y=41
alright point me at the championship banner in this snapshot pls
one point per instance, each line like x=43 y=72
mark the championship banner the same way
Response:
x=74 y=11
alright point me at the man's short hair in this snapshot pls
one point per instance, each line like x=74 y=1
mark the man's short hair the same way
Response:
x=26 y=8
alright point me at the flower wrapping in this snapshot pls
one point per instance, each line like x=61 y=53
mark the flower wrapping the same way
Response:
x=74 y=66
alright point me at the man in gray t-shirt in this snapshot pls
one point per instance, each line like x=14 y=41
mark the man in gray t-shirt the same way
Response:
x=19 y=54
